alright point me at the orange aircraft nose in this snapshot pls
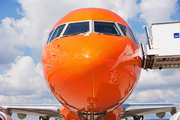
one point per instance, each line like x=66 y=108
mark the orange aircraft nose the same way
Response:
x=96 y=72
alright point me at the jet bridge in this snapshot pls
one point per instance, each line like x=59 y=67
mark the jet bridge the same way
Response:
x=163 y=47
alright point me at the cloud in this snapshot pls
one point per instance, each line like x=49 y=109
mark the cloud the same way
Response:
x=155 y=96
x=157 y=10
x=36 y=98
x=38 y=17
x=157 y=87
x=142 y=38
x=8 y=37
x=22 y=74
x=167 y=96
x=127 y=9
x=23 y=82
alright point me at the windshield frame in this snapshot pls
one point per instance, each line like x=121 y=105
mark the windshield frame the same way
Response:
x=67 y=24
x=51 y=33
x=91 y=30
x=115 y=23
x=132 y=37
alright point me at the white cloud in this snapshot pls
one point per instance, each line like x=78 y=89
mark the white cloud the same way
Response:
x=8 y=36
x=157 y=10
x=40 y=16
x=23 y=82
x=142 y=38
x=157 y=86
x=23 y=74
x=35 y=98
x=156 y=78
x=127 y=9
x=155 y=96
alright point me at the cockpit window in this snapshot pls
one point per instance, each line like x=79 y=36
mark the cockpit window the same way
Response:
x=106 y=28
x=50 y=34
x=128 y=33
x=76 y=28
x=57 y=32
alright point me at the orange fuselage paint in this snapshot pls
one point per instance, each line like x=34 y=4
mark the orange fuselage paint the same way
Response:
x=95 y=72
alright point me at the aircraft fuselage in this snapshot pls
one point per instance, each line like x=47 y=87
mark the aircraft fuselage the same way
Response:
x=93 y=70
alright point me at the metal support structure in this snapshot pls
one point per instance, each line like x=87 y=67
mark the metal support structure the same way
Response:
x=162 y=62
x=138 y=117
x=84 y=116
x=92 y=116
x=173 y=111
x=43 y=118
x=104 y=115
x=148 y=37
x=144 y=56
x=79 y=115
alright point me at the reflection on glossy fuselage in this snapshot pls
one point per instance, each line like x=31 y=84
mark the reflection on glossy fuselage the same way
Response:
x=91 y=72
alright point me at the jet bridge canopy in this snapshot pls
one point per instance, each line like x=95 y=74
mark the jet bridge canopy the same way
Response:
x=163 y=48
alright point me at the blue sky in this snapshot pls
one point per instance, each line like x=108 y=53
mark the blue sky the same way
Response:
x=24 y=26
x=8 y=8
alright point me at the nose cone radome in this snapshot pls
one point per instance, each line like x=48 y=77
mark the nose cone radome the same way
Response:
x=93 y=71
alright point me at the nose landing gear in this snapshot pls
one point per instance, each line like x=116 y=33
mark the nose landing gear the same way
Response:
x=138 y=117
x=84 y=116
x=43 y=118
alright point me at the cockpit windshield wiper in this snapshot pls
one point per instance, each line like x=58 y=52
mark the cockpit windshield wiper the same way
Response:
x=109 y=34
x=75 y=34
